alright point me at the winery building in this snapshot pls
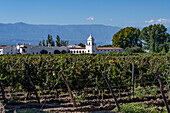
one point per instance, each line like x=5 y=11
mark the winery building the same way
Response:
x=90 y=47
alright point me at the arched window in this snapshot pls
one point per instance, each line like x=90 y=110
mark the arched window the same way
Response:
x=63 y=51
x=57 y=52
x=82 y=51
x=89 y=43
x=79 y=51
x=43 y=52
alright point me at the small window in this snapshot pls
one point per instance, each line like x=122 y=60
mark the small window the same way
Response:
x=33 y=53
x=74 y=52
x=89 y=43
x=82 y=51
x=77 y=52
x=88 y=51
x=37 y=52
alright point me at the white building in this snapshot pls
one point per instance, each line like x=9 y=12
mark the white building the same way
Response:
x=90 y=47
x=7 y=49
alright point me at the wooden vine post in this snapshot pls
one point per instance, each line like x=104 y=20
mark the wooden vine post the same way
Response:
x=110 y=88
x=160 y=80
x=3 y=93
x=69 y=89
x=32 y=85
x=133 y=79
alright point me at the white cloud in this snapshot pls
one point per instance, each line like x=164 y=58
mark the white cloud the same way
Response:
x=158 y=21
x=90 y=18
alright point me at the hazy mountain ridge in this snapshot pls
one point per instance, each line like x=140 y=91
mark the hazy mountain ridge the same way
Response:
x=10 y=34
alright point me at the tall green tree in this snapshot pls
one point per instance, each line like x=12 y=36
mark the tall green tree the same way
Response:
x=64 y=43
x=40 y=44
x=58 y=43
x=153 y=36
x=52 y=43
x=127 y=37
x=81 y=44
x=43 y=43
x=50 y=40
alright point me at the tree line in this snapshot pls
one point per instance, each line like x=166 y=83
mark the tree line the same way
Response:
x=51 y=42
x=153 y=38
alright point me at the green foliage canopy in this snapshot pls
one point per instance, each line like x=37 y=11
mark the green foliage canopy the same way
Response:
x=105 y=45
x=81 y=44
x=127 y=37
x=50 y=41
x=153 y=36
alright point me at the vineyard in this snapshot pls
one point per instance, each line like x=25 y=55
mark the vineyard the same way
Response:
x=84 y=82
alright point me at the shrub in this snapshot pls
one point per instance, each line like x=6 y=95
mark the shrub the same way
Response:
x=136 y=108
x=135 y=49
x=63 y=52
x=57 y=52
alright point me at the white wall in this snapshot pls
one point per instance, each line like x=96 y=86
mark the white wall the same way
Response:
x=38 y=49
x=77 y=51
x=8 y=50
x=1 y=51
x=105 y=51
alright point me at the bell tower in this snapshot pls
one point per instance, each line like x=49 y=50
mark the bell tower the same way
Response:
x=90 y=45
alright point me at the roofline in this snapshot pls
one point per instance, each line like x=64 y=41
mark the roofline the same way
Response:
x=108 y=48
x=77 y=47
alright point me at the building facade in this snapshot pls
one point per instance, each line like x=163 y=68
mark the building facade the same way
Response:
x=90 y=47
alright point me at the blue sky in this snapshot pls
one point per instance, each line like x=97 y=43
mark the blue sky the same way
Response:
x=68 y=12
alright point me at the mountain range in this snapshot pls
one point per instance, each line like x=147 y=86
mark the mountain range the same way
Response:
x=10 y=34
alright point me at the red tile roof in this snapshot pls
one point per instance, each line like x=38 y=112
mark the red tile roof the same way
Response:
x=77 y=48
x=108 y=48
x=23 y=47
x=2 y=45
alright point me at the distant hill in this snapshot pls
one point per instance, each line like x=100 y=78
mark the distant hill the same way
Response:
x=10 y=34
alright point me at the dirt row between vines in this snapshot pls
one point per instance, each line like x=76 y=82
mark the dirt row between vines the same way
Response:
x=64 y=104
